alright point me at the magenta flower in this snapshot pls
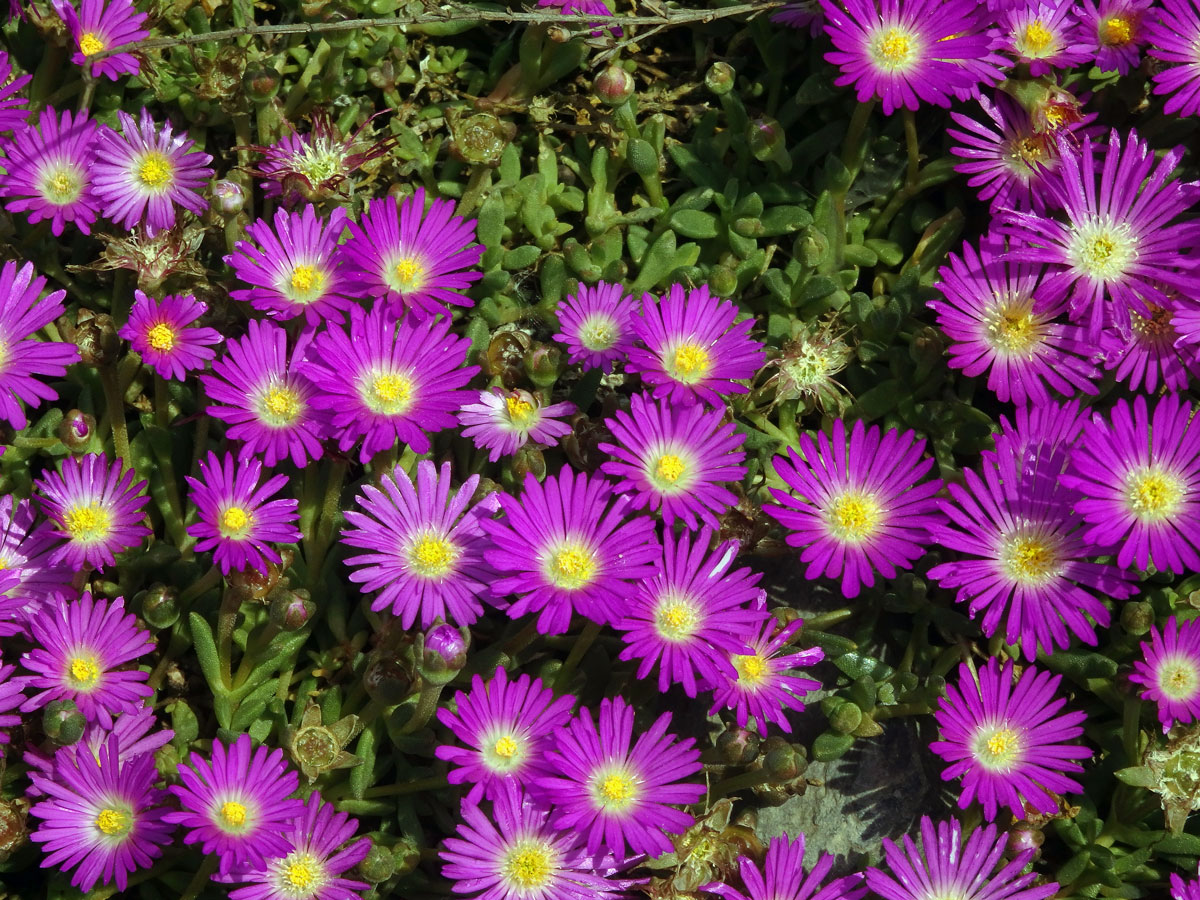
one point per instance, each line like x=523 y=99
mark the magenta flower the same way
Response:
x=265 y=398
x=1121 y=243
x=102 y=25
x=502 y=421
x=294 y=268
x=1140 y=480
x=597 y=325
x=96 y=509
x=1154 y=350
x=26 y=359
x=138 y=733
x=691 y=616
x=102 y=815
x=237 y=518
x=1173 y=33
x=801 y=14
x=389 y=380
x=424 y=547
x=48 y=171
x=313 y=865
x=675 y=458
x=412 y=257
x=516 y=853
x=317 y=163
x=948 y=867
x=903 y=52
x=1184 y=890
x=762 y=687
x=237 y=806
x=140 y=175
x=164 y=333
x=782 y=876
x=1170 y=671
x=691 y=349
x=80 y=653
x=1001 y=322
x=1008 y=742
x=507 y=727
x=616 y=791
x=14 y=109
x=584 y=8
x=1043 y=34
x=860 y=509
x=1114 y=31
x=25 y=555
x=567 y=546
x=11 y=698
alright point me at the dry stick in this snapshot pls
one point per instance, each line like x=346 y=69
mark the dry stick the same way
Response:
x=447 y=13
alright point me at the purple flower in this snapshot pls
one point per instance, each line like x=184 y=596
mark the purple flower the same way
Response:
x=101 y=816
x=692 y=615
x=507 y=726
x=141 y=174
x=762 y=687
x=691 y=349
x=1028 y=563
x=312 y=865
x=950 y=868
x=675 y=458
x=424 y=547
x=137 y=732
x=389 y=380
x=903 y=52
x=24 y=552
x=516 y=853
x=96 y=509
x=597 y=325
x=1153 y=350
x=566 y=546
x=14 y=109
x=48 y=171
x=1184 y=890
x=295 y=267
x=616 y=791
x=162 y=331
x=1170 y=671
x=265 y=398
x=1120 y=244
x=26 y=358
x=11 y=697
x=1008 y=742
x=102 y=25
x=501 y=421
x=782 y=876
x=236 y=805
x=802 y=14
x=1140 y=481
x=236 y=517
x=860 y=509
x=79 y=649
x=1043 y=34
x=316 y=164
x=584 y=8
x=413 y=258
x=1173 y=34
x=1114 y=32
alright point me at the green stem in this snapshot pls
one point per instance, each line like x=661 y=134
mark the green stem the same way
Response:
x=115 y=405
x=826 y=620
x=852 y=145
x=914 y=150
x=326 y=524
x=201 y=878
x=737 y=783
x=581 y=646
x=408 y=787
x=206 y=581
x=427 y=704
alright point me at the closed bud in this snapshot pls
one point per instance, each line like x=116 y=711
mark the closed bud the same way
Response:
x=1137 y=617
x=783 y=761
x=378 y=865
x=722 y=280
x=291 y=610
x=845 y=718
x=261 y=82
x=738 y=746
x=543 y=364
x=719 y=78
x=765 y=137
x=1024 y=837
x=160 y=606
x=527 y=459
x=63 y=722
x=76 y=429
x=406 y=855
x=96 y=338
x=613 y=86
x=387 y=680
x=332 y=14
x=228 y=198
x=445 y=653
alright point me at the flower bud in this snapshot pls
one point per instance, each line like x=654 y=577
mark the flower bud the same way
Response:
x=765 y=137
x=719 y=78
x=261 y=82
x=845 y=718
x=543 y=365
x=378 y=865
x=228 y=198
x=160 y=606
x=96 y=338
x=613 y=86
x=407 y=855
x=291 y=610
x=738 y=746
x=526 y=459
x=1024 y=837
x=441 y=653
x=76 y=429
x=63 y=722
x=783 y=761
x=1137 y=617
x=722 y=280
x=387 y=680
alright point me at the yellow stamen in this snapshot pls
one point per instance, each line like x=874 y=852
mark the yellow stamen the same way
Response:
x=1116 y=31
x=282 y=404
x=1003 y=742
x=1153 y=494
x=676 y=618
x=1031 y=560
x=409 y=274
x=85 y=670
x=113 y=822
x=572 y=567
x=751 y=668
x=893 y=49
x=390 y=394
x=161 y=337
x=597 y=333
x=306 y=280
x=90 y=43
x=86 y=524
x=670 y=468
x=853 y=517
x=155 y=171
x=520 y=411
x=1178 y=678
x=301 y=872
x=61 y=187
x=528 y=868
x=433 y=556
x=235 y=520
x=1037 y=38
x=233 y=813
x=616 y=789
x=505 y=747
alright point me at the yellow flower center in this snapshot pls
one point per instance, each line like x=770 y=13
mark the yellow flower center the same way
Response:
x=1013 y=328
x=1153 y=494
x=306 y=281
x=691 y=363
x=502 y=752
x=155 y=171
x=1155 y=328
x=893 y=49
x=1037 y=38
x=301 y=872
x=90 y=43
x=520 y=411
x=235 y=521
x=528 y=867
x=751 y=668
x=1103 y=250
x=233 y=813
x=85 y=671
x=998 y=747
x=280 y=406
x=505 y=747
x=86 y=524
x=161 y=337
x=1031 y=559
x=614 y=790
x=1116 y=31
x=572 y=567
x=670 y=467
x=113 y=822
x=432 y=556
x=409 y=274
x=676 y=618
x=389 y=394
x=853 y=517
x=61 y=186
x=1178 y=678
x=597 y=333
